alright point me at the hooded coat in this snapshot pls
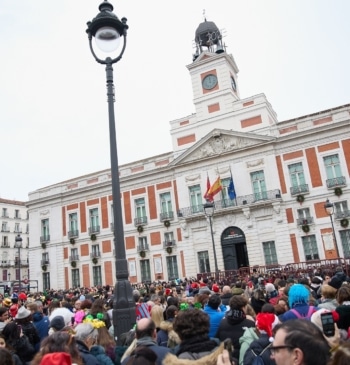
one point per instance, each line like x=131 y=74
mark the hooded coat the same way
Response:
x=100 y=354
x=248 y=337
x=258 y=346
x=166 y=336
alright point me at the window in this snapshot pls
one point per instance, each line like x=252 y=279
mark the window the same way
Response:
x=341 y=209
x=4 y=227
x=143 y=246
x=345 y=241
x=196 y=198
x=46 y=281
x=172 y=269
x=94 y=221
x=73 y=225
x=310 y=248
x=75 y=278
x=5 y=213
x=45 y=258
x=27 y=228
x=259 y=186
x=166 y=206
x=96 y=275
x=270 y=253
x=74 y=254
x=45 y=232
x=17 y=228
x=304 y=216
x=4 y=257
x=95 y=251
x=203 y=261
x=297 y=179
x=333 y=171
x=140 y=208
x=5 y=241
x=226 y=201
x=169 y=238
x=145 y=270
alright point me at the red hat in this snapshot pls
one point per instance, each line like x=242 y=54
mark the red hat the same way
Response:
x=215 y=288
x=56 y=358
x=265 y=322
x=167 y=291
x=194 y=285
x=22 y=296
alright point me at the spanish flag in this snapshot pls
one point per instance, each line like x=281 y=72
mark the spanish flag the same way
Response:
x=206 y=196
x=215 y=188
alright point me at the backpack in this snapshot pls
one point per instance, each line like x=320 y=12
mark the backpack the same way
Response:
x=308 y=314
x=258 y=360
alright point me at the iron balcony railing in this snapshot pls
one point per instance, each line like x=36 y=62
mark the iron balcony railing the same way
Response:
x=73 y=234
x=94 y=229
x=343 y=214
x=45 y=238
x=263 y=197
x=95 y=255
x=169 y=243
x=166 y=216
x=336 y=182
x=299 y=189
x=45 y=262
x=305 y=221
x=143 y=247
x=140 y=221
x=73 y=258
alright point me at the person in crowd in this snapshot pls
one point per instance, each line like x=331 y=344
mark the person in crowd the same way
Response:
x=40 y=321
x=341 y=356
x=57 y=324
x=92 y=354
x=315 y=287
x=146 y=335
x=234 y=321
x=58 y=343
x=166 y=336
x=237 y=288
x=18 y=343
x=299 y=342
x=280 y=284
x=157 y=315
x=271 y=291
x=226 y=295
x=257 y=300
x=327 y=299
x=61 y=311
x=98 y=310
x=16 y=360
x=142 y=355
x=343 y=309
x=24 y=319
x=106 y=340
x=4 y=317
x=265 y=323
x=14 y=306
x=334 y=340
x=192 y=326
x=6 y=357
x=200 y=300
x=298 y=297
x=216 y=312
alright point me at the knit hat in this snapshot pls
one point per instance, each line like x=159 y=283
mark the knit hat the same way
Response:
x=22 y=296
x=22 y=313
x=56 y=358
x=215 y=288
x=167 y=291
x=335 y=282
x=57 y=323
x=269 y=288
x=265 y=323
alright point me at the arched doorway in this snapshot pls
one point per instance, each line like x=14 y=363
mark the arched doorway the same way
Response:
x=234 y=249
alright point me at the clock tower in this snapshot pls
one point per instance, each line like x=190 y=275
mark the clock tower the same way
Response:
x=213 y=73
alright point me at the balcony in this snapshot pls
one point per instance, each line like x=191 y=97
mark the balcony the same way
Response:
x=305 y=221
x=166 y=216
x=94 y=229
x=169 y=243
x=73 y=234
x=94 y=255
x=299 y=189
x=143 y=247
x=343 y=214
x=255 y=200
x=73 y=258
x=5 y=215
x=18 y=230
x=5 y=263
x=336 y=182
x=45 y=262
x=5 y=229
x=140 y=221
x=5 y=245
x=44 y=239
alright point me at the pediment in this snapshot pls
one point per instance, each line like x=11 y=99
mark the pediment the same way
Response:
x=219 y=142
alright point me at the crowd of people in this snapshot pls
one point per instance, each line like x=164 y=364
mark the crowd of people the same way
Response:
x=256 y=319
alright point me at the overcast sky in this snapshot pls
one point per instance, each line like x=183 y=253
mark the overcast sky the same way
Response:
x=53 y=109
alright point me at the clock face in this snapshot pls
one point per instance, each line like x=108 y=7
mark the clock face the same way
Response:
x=209 y=81
x=233 y=83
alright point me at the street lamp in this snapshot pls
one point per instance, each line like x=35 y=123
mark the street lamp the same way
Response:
x=329 y=208
x=108 y=31
x=18 y=245
x=209 y=212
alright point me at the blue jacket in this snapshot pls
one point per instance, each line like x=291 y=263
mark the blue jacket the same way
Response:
x=42 y=324
x=100 y=354
x=88 y=358
x=215 y=318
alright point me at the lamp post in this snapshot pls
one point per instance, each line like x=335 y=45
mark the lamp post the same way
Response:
x=18 y=244
x=108 y=31
x=209 y=212
x=329 y=208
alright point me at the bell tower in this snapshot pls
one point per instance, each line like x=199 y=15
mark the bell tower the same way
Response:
x=213 y=73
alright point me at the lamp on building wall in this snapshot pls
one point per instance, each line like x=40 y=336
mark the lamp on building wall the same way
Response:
x=108 y=32
x=18 y=245
x=329 y=208
x=209 y=212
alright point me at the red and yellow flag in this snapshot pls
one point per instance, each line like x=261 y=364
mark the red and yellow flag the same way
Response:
x=215 y=188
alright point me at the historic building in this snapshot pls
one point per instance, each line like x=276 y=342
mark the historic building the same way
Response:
x=283 y=172
x=14 y=263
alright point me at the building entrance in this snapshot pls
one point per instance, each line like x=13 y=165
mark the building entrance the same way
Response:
x=234 y=249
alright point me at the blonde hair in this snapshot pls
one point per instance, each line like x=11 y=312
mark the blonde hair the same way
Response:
x=157 y=315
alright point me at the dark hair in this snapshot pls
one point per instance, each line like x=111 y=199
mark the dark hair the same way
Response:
x=268 y=308
x=142 y=355
x=191 y=323
x=214 y=301
x=343 y=294
x=342 y=355
x=11 y=332
x=171 y=310
x=238 y=302
x=306 y=336
x=3 y=310
x=6 y=357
